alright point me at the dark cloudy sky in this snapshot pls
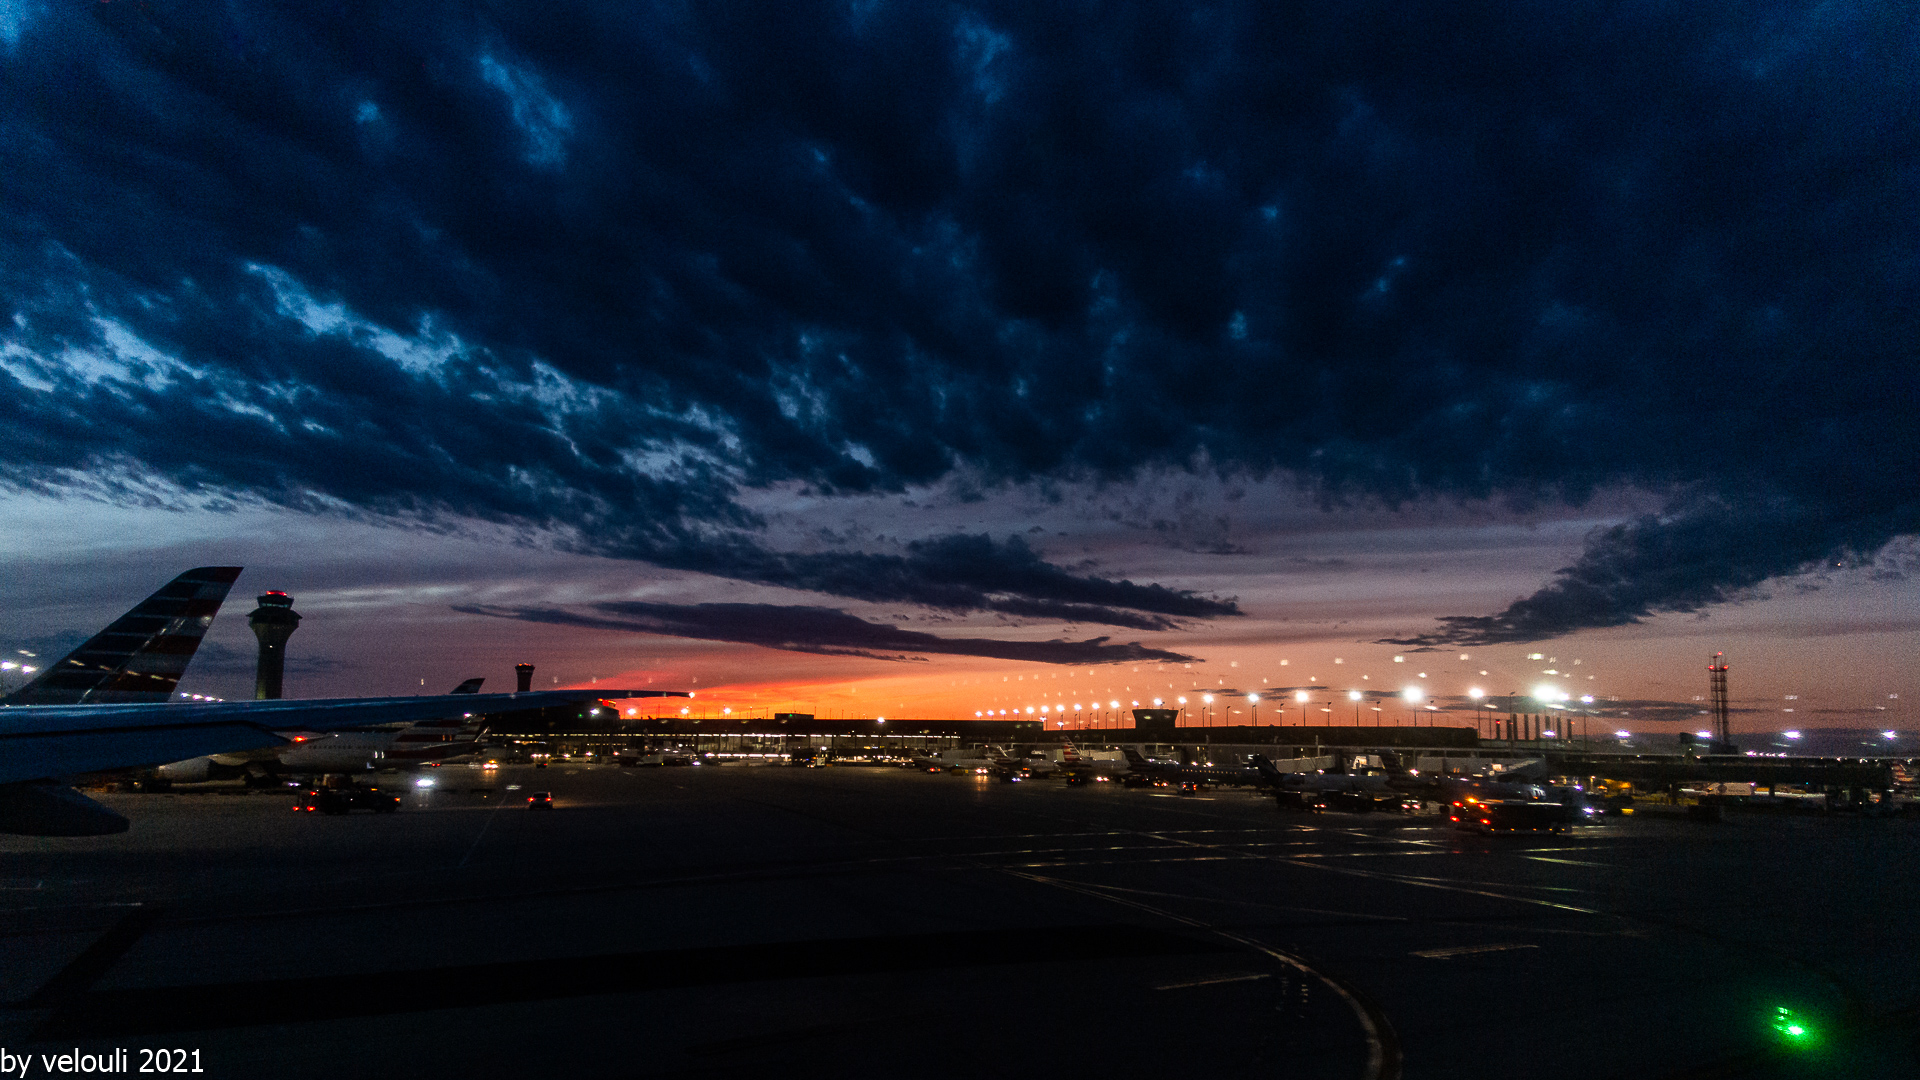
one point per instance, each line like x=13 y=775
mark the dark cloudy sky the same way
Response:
x=922 y=346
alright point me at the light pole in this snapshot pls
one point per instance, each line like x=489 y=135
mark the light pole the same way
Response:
x=1301 y=697
x=1254 y=700
x=1207 y=709
x=1355 y=696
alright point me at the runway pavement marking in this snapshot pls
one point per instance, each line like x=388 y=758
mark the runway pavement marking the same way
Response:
x=484 y=826
x=1355 y=854
x=1215 y=982
x=1570 y=862
x=1497 y=884
x=1469 y=950
x=1383 y=1043
x=1403 y=878
x=1245 y=903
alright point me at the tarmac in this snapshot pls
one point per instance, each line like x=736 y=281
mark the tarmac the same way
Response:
x=728 y=921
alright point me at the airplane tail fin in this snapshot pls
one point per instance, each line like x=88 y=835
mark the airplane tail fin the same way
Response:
x=471 y=686
x=435 y=740
x=1069 y=755
x=1134 y=757
x=142 y=654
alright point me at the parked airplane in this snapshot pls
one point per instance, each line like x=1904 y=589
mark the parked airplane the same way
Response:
x=1352 y=782
x=1190 y=773
x=964 y=759
x=1080 y=767
x=104 y=707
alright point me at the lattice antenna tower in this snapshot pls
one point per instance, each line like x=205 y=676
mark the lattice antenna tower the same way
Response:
x=1717 y=678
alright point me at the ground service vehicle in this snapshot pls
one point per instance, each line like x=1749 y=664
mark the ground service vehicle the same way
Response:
x=341 y=800
x=1475 y=814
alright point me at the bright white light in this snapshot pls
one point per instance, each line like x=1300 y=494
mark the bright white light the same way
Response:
x=1791 y=734
x=1113 y=704
x=1889 y=734
x=1300 y=696
x=976 y=714
x=425 y=781
x=880 y=719
x=1476 y=693
x=1412 y=695
x=1623 y=734
x=1255 y=698
x=1586 y=699
x=1043 y=710
x=1353 y=695
x=1544 y=692
x=7 y=665
x=1206 y=698
x=1182 y=701
x=1076 y=706
x=1546 y=734
x=1029 y=710
x=1156 y=703
x=1704 y=734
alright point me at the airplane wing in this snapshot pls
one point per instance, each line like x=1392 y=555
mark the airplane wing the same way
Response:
x=44 y=741
x=40 y=743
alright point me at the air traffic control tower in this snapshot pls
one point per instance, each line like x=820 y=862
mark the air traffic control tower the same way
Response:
x=273 y=622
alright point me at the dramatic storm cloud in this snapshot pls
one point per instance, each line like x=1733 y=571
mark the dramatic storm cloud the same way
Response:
x=595 y=270
x=1704 y=552
x=820 y=630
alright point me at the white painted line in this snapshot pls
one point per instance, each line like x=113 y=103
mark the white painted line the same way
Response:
x=1213 y=982
x=1467 y=950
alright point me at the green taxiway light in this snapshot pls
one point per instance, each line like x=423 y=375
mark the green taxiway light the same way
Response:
x=1788 y=1025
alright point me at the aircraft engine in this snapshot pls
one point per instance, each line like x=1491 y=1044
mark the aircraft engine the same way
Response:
x=190 y=771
